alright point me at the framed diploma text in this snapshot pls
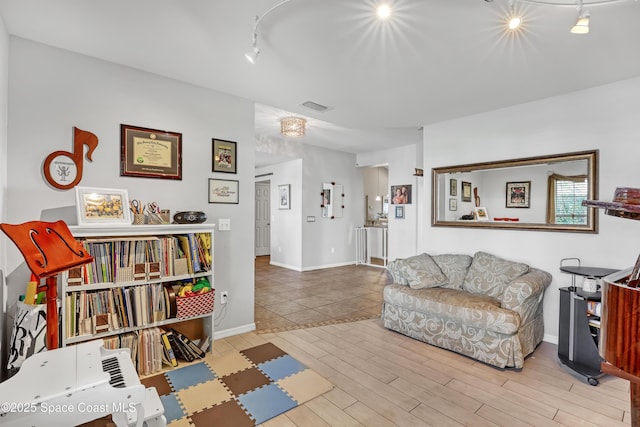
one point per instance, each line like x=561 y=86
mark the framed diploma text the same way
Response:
x=150 y=153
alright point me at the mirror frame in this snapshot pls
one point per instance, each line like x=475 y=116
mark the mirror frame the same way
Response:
x=592 y=213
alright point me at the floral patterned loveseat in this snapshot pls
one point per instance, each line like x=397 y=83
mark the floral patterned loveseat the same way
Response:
x=483 y=306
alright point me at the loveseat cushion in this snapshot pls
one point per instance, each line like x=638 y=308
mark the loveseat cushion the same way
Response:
x=455 y=267
x=461 y=307
x=422 y=272
x=397 y=270
x=490 y=275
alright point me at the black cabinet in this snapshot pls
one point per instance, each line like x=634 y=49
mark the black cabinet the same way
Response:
x=579 y=333
x=579 y=324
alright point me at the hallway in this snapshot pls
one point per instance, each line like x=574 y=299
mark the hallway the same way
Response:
x=287 y=299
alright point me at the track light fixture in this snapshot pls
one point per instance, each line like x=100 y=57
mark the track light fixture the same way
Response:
x=383 y=11
x=514 y=21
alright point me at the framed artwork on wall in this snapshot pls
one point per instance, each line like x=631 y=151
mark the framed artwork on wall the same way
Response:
x=150 y=153
x=284 y=201
x=453 y=187
x=466 y=191
x=223 y=191
x=518 y=194
x=401 y=194
x=224 y=156
x=453 y=204
x=399 y=211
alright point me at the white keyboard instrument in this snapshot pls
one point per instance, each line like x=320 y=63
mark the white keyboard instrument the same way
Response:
x=76 y=384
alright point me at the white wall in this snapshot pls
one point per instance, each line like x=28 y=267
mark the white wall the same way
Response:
x=4 y=105
x=402 y=162
x=330 y=242
x=53 y=90
x=604 y=118
x=286 y=224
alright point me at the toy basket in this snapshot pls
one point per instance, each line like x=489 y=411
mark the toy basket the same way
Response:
x=195 y=305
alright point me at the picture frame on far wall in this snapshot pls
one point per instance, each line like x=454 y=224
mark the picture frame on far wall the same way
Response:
x=284 y=194
x=399 y=212
x=100 y=206
x=453 y=187
x=150 y=153
x=453 y=204
x=224 y=156
x=401 y=194
x=518 y=194
x=223 y=191
x=466 y=192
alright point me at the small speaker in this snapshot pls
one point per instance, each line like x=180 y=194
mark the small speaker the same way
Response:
x=190 y=217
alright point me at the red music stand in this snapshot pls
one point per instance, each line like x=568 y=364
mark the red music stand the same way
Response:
x=48 y=248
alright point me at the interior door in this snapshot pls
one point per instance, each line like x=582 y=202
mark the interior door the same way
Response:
x=263 y=215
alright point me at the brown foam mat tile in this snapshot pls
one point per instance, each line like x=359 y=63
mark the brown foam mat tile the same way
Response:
x=228 y=414
x=159 y=382
x=245 y=381
x=263 y=353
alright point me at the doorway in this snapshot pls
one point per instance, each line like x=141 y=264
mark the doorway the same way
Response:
x=263 y=218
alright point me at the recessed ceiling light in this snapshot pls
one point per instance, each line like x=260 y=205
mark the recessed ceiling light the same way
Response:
x=384 y=11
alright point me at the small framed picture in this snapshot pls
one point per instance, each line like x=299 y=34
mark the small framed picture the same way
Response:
x=401 y=194
x=224 y=156
x=466 y=191
x=453 y=204
x=399 y=211
x=98 y=206
x=453 y=187
x=481 y=214
x=518 y=194
x=223 y=191
x=284 y=201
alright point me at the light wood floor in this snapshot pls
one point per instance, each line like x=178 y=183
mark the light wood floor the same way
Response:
x=384 y=379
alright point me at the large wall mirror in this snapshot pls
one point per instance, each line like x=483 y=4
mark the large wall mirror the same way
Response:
x=534 y=193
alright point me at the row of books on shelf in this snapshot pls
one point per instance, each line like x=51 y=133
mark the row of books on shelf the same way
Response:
x=594 y=308
x=118 y=260
x=93 y=312
x=153 y=348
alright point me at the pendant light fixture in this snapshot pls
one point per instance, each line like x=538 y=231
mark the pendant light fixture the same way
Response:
x=293 y=126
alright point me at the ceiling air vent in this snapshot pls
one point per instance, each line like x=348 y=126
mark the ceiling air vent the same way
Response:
x=315 y=106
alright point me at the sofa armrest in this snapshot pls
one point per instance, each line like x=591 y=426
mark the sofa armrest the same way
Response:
x=524 y=294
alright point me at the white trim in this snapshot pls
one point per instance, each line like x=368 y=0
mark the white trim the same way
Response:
x=320 y=267
x=290 y=267
x=234 y=331
x=550 y=339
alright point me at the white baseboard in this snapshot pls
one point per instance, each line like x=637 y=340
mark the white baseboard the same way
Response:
x=289 y=267
x=320 y=267
x=550 y=339
x=316 y=267
x=234 y=331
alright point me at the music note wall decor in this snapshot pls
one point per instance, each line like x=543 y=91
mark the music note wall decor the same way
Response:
x=63 y=169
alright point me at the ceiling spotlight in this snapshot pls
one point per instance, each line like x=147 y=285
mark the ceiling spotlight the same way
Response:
x=514 y=23
x=582 y=25
x=293 y=126
x=253 y=55
x=384 y=11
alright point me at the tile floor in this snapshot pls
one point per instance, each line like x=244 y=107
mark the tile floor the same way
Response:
x=287 y=299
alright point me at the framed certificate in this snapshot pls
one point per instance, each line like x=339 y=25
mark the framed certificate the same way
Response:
x=150 y=153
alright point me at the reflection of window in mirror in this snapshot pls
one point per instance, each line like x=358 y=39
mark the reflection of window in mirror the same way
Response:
x=566 y=194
